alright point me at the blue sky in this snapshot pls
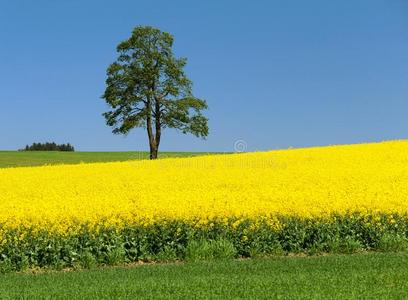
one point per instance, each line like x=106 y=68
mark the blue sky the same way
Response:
x=274 y=73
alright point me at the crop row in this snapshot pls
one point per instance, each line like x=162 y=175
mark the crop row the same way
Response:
x=23 y=248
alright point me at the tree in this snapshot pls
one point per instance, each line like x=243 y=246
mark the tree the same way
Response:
x=147 y=87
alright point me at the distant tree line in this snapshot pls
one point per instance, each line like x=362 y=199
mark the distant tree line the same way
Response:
x=49 y=147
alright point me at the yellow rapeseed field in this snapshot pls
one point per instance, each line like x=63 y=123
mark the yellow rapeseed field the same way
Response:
x=302 y=182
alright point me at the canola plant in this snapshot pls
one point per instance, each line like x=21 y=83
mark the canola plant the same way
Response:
x=333 y=198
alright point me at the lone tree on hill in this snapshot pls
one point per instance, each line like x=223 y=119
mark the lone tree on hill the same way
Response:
x=147 y=87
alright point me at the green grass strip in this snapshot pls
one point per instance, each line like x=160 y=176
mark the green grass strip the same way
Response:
x=364 y=276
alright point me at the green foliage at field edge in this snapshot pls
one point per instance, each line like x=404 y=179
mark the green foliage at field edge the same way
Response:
x=179 y=240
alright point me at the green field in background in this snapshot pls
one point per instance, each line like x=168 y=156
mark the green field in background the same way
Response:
x=39 y=158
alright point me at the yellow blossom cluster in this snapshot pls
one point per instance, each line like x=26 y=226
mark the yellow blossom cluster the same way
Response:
x=307 y=182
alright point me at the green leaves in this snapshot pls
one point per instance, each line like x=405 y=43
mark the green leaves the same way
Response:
x=183 y=240
x=185 y=114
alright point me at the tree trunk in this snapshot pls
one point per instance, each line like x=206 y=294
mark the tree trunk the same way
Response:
x=158 y=129
x=152 y=141
x=153 y=152
x=154 y=136
x=153 y=147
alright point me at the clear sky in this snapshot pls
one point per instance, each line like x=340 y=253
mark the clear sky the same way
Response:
x=275 y=73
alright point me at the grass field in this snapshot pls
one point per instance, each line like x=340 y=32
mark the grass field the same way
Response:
x=363 y=276
x=39 y=158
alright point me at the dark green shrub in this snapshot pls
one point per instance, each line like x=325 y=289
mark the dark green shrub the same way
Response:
x=392 y=243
